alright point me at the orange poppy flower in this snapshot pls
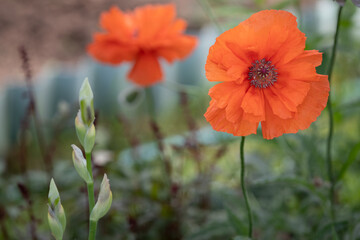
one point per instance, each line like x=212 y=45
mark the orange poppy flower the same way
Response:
x=266 y=76
x=142 y=36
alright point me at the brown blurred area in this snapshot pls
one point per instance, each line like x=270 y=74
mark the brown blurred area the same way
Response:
x=60 y=30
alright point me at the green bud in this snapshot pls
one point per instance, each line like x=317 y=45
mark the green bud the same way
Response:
x=81 y=128
x=89 y=139
x=80 y=164
x=86 y=101
x=56 y=213
x=104 y=201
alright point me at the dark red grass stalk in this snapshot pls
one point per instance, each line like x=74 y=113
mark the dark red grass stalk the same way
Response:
x=3 y=216
x=191 y=142
x=132 y=139
x=173 y=228
x=46 y=155
x=159 y=138
x=26 y=195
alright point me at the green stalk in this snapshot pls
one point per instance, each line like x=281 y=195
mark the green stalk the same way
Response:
x=242 y=177
x=90 y=189
x=92 y=230
x=331 y=129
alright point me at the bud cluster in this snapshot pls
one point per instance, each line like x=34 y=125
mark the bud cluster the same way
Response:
x=85 y=130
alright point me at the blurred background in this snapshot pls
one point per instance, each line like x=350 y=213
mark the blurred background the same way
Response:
x=175 y=178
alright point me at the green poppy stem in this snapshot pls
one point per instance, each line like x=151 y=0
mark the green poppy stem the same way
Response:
x=331 y=129
x=242 y=178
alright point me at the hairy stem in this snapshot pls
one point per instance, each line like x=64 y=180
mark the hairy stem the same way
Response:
x=242 y=177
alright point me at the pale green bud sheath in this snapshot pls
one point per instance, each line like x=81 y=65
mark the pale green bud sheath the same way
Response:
x=102 y=206
x=80 y=164
x=86 y=101
x=56 y=213
x=104 y=201
x=81 y=128
x=89 y=139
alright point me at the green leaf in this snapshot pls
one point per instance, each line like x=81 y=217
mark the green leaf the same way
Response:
x=236 y=222
x=293 y=181
x=327 y=231
x=350 y=160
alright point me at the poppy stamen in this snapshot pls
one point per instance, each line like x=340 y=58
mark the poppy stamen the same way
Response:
x=262 y=74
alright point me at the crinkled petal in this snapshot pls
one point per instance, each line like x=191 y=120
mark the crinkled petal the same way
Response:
x=118 y=23
x=291 y=92
x=107 y=48
x=151 y=20
x=178 y=47
x=302 y=68
x=219 y=62
x=253 y=102
x=307 y=113
x=216 y=117
x=277 y=105
x=222 y=92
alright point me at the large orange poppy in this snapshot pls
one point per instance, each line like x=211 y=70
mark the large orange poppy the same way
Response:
x=266 y=76
x=142 y=36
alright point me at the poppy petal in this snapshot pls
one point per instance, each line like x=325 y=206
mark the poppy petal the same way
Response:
x=277 y=105
x=253 y=102
x=217 y=119
x=107 y=48
x=159 y=16
x=303 y=67
x=118 y=23
x=307 y=113
x=146 y=70
x=176 y=48
x=222 y=92
x=291 y=92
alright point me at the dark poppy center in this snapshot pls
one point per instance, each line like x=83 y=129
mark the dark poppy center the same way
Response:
x=262 y=74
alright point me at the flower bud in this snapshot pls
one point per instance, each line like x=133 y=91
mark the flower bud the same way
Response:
x=81 y=128
x=104 y=201
x=80 y=164
x=86 y=100
x=89 y=139
x=56 y=213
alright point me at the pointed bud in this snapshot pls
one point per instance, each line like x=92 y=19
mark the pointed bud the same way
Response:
x=103 y=204
x=80 y=164
x=56 y=213
x=89 y=139
x=81 y=128
x=86 y=103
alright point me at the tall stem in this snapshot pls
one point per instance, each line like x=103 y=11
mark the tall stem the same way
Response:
x=331 y=127
x=91 y=196
x=242 y=177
